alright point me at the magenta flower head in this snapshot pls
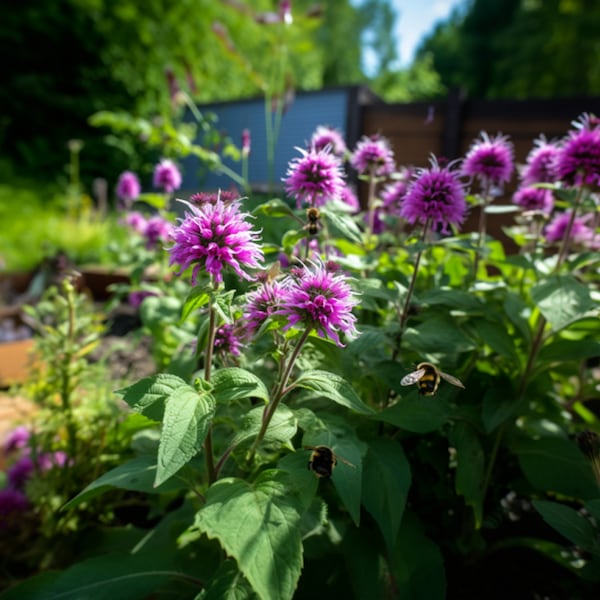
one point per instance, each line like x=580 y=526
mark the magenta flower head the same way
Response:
x=314 y=178
x=580 y=232
x=17 y=439
x=137 y=221
x=531 y=198
x=246 y=142
x=578 y=162
x=227 y=340
x=20 y=471
x=489 y=159
x=167 y=176
x=215 y=236
x=328 y=137
x=317 y=297
x=541 y=163
x=261 y=304
x=158 y=230
x=435 y=195
x=128 y=188
x=373 y=156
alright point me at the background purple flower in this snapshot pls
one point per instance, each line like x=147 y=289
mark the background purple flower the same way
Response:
x=435 y=195
x=167 y=176
x=12 y=502
x=318 y=298
x=214 y=236
x=227 y=340
x=578 y=161
x=157 y=230
x=373 y=155
x=315 y=177
x=580 y=232
x=534 y=198
x=19 y=472
x=349 y=197
x=17 y=439
x=261 y=304
x=137 y=221
x=490 y=159
x=128 y=188
x=325 y=136
x=541 y=163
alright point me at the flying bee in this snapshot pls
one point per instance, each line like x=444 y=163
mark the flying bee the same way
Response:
x=313 y=216
x=323 y=460
x=427 y=377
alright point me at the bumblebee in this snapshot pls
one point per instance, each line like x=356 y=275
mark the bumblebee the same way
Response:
x=313 y=215
x=323 y=461
x=427 y=377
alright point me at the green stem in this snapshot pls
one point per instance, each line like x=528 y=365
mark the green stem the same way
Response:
x=567 y=238
x=481 y=230
x=279 y=394
x=208 y=446
x=371 y=201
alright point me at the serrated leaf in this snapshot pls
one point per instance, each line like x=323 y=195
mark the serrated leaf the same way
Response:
x=227 y=584
x=234 y=383
x=341 y=225
x=386 y=481
x=187 y=420
x=470 y=466
x=274 y=208
x=562 y=350
x=197 y=298
x=569 y=523
x=333 y=387
x=562 y=300
x=258 y=525
x=420 y=414
x=282 y=428
x=136 y=475
x=149 y=395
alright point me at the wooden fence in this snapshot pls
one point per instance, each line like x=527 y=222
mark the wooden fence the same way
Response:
x=447 y=128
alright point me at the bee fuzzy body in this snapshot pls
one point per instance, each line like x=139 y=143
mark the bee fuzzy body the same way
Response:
x=427 y=377
x=322 y=461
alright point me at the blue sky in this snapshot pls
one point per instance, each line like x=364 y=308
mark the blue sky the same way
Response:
x=415 y=18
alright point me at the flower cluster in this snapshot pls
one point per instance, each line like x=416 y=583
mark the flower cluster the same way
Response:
x=541 y=163
x=373 y=156
x=261 y=304
x=155 y=229
x=578 y=162
x=489 y=159
x=328 y=138
x=213 y=236
x=167 y=176
x=128 y=189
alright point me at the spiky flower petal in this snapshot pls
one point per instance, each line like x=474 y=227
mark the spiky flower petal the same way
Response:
x=578 y=162
x=541 y=163
x=373 y=156
x=214 y=236
x=489 y=159
x=532 y=198
x=328 y=137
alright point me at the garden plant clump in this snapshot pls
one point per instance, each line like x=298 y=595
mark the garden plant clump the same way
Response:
x=350 y=401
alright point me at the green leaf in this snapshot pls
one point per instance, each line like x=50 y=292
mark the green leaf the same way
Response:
x=561 y=350
x=555 y=464
x=562 y=300
x=341 y=225
x=495 y=335
x=233 y=384
x=227 y=584
x=274 y=208
x=188 y=417
x=454 y=299
x=258 y=525
x=107 y=577
x=386 y=481
x=197 y=298
x=438 y=334
x=569 y=523
x=334 y=388
x=499 y=404
x=349 y=449
x=470 y=467
x=420 y=414
x=136 y=475
x=149 y=395
x=282 y=428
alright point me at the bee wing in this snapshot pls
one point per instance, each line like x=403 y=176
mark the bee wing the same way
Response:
x=345 y=461
x=412 y=377
x=452 y=380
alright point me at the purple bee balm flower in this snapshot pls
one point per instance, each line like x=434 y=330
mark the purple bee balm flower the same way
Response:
x=19 y=472
x=580 y=232
x=373 y=156
x=531 y=198
x=541 y=163
x=490 y=159
x=328 y=137
x=435 y=195
x=12 y=502
x=227 y=340
x=261 y=304
x=318 y=298
x=214 y=236
x=314 y=178
x=128 y=188
x=136 y=297
x=393 y=195
x=578 y=162
x=157 y=230
x=17 y=439
x=349 y=197
x=137 y=221
x=167 y=176
x=49 y=460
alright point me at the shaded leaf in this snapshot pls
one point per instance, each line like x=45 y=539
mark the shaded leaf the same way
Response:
x=233 y=383
x=420 y=414
x=282 y=428
x=258 y=525
x=197 y=298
